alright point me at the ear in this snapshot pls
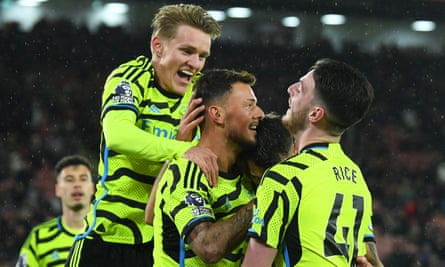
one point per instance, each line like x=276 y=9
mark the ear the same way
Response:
x=216 y=113
x=156 y=45
x=316 y=114
x=57 y=190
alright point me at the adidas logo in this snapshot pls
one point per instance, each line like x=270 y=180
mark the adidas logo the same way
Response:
x=55 y=255
x=154 y=109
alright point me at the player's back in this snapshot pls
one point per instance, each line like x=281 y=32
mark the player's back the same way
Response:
x=323 y=204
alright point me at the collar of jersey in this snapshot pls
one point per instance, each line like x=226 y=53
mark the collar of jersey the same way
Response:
x=315 y=146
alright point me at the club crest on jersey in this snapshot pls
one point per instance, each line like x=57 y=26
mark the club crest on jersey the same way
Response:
x=194 y=199
x=123 y=93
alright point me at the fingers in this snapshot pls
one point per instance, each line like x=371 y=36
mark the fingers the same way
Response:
x=362 y=262
x=193 y=110
x=190 y=120
x=207 y=162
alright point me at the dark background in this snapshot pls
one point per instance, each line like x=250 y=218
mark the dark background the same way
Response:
x=51 y=78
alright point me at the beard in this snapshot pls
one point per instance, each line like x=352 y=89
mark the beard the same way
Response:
x=242 y=141
x=295 y=121
x=77 y=207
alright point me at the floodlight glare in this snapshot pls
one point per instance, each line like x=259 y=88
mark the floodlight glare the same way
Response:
x=218 y=15
x=290 y=22
x=239 y=12
x=333 y=19
x=423 y=26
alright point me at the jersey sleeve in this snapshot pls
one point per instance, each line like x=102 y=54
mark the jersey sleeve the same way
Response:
x=187 y=201
x=272 y=211
x=121 y=100
x=27 y=254
x=369 y=233
x=138 y=143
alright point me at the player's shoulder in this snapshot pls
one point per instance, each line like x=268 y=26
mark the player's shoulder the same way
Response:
x=299 y=162
x=138 y=62
x=180 y=162
x=187 y=172
x=181 y=167
x=133 y=70
x=49 y=225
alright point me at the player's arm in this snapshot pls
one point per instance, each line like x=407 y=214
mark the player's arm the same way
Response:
x=123 y=136
x=190 y=120
x=258 y=254
x=363 y=262
x=371 y=246
x=149 y=209
x=372 y=255
x=212 y=240
x=27 y=256
x=204 y=158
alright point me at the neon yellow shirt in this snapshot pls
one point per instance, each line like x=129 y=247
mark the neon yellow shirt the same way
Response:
x=48 y=244
x=184 y=199
x=132 y=98
x=315 y=208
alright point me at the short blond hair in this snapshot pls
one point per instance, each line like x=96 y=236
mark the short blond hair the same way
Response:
x=170 y=17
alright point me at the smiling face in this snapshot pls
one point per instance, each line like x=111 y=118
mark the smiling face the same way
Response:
x=75 y=187
x=301 y=96
x=242 y=114
x=178 y=59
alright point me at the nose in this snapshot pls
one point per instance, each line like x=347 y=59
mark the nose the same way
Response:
x=77 y=182
x=259 y=113
x=196 y=62
x=293 y=88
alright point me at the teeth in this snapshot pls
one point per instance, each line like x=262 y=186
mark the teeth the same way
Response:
x=188 y=73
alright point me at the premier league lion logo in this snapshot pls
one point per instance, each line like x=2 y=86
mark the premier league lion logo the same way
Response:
x=194 y=199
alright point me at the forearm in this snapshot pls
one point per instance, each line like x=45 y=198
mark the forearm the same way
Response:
x=372 y=255
x=123 y=136
x=211 y=241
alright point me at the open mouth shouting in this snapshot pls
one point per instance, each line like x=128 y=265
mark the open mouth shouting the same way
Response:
x=185 y=75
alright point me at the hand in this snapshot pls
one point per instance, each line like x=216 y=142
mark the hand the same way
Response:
x=206 y=160
x=190 y=120
x=362 y=262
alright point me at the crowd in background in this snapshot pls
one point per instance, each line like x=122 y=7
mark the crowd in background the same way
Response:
x=51 y=81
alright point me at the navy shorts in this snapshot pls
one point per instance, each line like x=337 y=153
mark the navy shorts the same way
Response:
x=96 y=253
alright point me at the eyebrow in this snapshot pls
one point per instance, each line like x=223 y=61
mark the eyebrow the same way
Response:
x=252 y=100
x=194 y=49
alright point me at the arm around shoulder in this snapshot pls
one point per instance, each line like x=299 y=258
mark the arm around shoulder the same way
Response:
x=123 y=136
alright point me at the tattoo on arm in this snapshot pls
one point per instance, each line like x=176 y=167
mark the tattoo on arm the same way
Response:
x=212 y=240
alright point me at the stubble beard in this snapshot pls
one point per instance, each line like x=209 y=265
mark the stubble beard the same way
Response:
x=77 y=207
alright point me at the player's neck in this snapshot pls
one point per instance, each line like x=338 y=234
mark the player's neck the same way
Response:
x=314 y=135
x=74 y=219
x=224 y=150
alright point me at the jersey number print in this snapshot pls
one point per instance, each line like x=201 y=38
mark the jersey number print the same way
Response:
x=332 y=247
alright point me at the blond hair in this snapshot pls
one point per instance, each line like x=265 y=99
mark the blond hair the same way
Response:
x=170 y=17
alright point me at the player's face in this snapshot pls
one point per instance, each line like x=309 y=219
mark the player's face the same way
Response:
x=178 y=59
x=301 y=95
x=242 y=114
x=75 y=187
